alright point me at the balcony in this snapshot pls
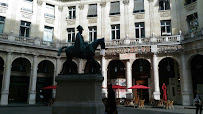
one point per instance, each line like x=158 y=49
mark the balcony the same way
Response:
x=193 y=36
x=159 y=44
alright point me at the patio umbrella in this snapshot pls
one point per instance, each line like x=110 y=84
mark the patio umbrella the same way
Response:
x=138 y=87
x=50 y=87
x=118 y=87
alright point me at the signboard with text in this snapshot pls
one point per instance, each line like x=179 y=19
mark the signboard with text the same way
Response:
x=127 y=56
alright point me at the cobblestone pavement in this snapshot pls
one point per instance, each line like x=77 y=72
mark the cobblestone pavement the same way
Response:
x=121 y=110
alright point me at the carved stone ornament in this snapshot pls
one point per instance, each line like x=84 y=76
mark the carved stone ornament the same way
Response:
x=126 y=2
x=92 y=20
x=39 y=2
x=70 y=22
x=60 y=8
x=139 y=16
x=50 y=21
x=165 y=14
x=115 y=18
x=2 y=10
x=103 y=4
x=81 y=6
x=26 y=15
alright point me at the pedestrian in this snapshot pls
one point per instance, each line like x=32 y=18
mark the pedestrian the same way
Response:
x=198 y=103
x=41 y=97
x=111 y=101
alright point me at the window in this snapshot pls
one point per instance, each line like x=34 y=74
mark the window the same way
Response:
x=139 y=30
x=4 y=3
x=50 y=11
x=115 y=32
x=25 y=29
x=2 y=21
x=71 y=35
x=27 y=6
x=138 y=6
x=192 y=21
x=92 y=33
x=166 y=28
x=115 y=8
x=189 y=1
x=164 y=4
x=48 y=33
x=72 y=12
x=92 y=11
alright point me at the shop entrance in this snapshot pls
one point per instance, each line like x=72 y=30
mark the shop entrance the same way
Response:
x=169 y=74
x=140 y=75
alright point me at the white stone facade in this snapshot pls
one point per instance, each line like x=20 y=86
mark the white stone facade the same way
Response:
x=181 y=46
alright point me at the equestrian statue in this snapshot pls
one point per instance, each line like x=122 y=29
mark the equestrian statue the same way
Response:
x=82 y=50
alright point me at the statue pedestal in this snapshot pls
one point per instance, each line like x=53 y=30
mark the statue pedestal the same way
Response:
x=79 y=94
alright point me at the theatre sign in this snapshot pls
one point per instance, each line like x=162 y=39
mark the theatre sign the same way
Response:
x=143 y=49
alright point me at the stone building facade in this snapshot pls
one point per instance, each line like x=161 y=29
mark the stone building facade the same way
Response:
x=149 y=42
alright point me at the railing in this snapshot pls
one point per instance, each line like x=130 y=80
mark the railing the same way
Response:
x=37 y=42
x=190 y=36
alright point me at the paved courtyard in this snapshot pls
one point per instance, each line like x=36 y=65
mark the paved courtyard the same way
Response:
x=121 y=110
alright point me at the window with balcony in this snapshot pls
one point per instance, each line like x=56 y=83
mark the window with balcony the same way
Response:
x=166 y=28
x=71 y=34
x=138 y=6
x=25 y=29
x=2 y=21
x=92 y=11
x=115 y=32
x=192 y=21
x=48 y=33
x=27 y=6
x=115 y=8
x=189 y=1
x=50 y=11
x=139 y=30
x=4 y=3
x=164 y=4
x=92 y=33
x=72 y=12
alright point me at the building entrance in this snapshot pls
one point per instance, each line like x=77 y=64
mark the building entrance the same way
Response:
x=1 y=72
x=169 y=74
x=140 y=75
x=197 y=73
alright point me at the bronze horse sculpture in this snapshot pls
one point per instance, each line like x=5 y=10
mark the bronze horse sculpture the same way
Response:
x=82 y=50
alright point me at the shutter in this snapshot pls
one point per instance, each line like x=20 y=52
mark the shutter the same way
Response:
x=115 y=8
x=92 y=11
x=138 y=5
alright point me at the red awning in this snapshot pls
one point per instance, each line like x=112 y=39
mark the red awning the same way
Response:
x=118 y=87
x=139 y=87
x=50 y=87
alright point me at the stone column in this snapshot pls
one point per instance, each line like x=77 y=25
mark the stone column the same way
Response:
x=33 y=82
x=104 y=74
x=128 y=73
x=80 y=66
x=56 y=73
x=126 y=3
x=156 y=78
x=6 y=80
x=103 y=5
x=186 y=82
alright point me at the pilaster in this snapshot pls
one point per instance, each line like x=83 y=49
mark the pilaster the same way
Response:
x=156 y=92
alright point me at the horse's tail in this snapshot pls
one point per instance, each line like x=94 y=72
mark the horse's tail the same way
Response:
x=60 y=50
x=102 y=43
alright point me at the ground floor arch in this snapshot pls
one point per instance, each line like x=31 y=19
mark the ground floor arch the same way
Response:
x=170 y=75
x=1 y=71
x=196 y=65
x=141 y=75
x=19 y=81
x=45 y=76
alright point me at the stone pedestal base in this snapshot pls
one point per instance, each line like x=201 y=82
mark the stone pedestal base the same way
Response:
x=187 y=99
x=79 y=94
x=156 y=95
